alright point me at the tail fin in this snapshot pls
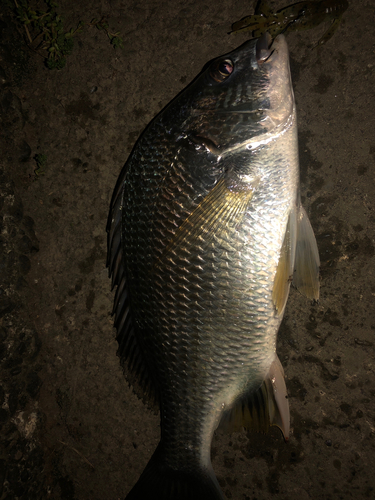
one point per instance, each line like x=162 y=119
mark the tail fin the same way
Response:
x=160 y=482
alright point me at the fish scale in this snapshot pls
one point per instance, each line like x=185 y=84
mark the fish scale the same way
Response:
x=205 y=231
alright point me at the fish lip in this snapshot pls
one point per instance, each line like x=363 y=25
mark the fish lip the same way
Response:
x=277 y=49
x=263 y=48
x=279 y=44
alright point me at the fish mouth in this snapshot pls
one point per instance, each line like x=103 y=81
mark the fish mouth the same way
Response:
x=273 y=57
x=276 y=112
x=277 y=54
x=263 y=48
x=266 y=46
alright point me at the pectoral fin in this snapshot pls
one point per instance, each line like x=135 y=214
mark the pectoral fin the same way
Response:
x=307 y=262
x=220 y=212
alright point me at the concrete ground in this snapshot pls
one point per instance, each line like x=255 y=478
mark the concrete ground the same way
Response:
x=70 y=428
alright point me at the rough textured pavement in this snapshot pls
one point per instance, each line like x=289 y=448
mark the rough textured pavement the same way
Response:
x=70 y=428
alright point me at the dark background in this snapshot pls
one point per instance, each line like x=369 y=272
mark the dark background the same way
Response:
x=70 y=428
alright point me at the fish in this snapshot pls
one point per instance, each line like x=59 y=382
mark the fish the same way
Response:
x=295 y=17
x=206 y=232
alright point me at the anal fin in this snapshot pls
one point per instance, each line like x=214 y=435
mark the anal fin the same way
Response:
x=265 y=407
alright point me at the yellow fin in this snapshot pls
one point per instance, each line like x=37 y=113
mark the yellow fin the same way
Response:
x=307 y=262
x=220 y=212
x=284 y=272
x=278 y=404
x=265 y=407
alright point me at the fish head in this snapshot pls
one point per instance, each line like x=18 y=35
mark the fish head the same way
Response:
x=242 y=97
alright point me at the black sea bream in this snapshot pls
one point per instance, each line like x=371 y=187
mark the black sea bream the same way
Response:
x=206 y=232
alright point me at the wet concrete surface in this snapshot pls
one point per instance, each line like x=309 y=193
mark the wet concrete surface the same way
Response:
x=70 y=426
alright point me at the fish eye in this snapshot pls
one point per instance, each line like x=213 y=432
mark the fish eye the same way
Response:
x=221 y=70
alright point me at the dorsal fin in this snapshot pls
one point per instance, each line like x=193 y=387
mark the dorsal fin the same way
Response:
x=135 y=367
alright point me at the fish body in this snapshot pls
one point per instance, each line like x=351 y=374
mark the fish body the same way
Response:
x=295 y=17
x=205 y=232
